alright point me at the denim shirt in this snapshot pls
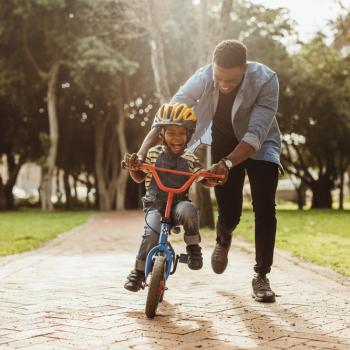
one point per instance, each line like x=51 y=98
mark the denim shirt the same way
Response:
x=253 y=112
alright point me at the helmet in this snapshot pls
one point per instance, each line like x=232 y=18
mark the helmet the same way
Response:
x=176 y=114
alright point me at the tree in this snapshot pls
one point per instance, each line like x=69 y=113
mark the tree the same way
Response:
x=101 y=74
x=42 y=18
x=20 y=121
x=341 y=43
x=315 y=120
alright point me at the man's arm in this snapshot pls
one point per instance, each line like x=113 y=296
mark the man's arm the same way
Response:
x=189 y=93
x=262 y=114
x=259 y=125
x=241 y=152
x=152 y=138
x=192 y=90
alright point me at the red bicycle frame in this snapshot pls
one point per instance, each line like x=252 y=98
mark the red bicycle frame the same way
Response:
x=171 y=191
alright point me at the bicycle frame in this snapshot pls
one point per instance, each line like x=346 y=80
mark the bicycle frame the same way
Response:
x=164 y=246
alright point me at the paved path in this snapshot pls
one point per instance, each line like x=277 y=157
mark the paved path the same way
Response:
x=69 y=295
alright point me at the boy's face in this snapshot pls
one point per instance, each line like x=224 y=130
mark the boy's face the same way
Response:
x=176 y=138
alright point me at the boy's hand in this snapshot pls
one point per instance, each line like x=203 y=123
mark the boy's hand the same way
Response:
x=131 y=162
x=218 y=169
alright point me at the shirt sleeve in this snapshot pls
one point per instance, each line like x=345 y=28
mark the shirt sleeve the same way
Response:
x=263 y=114
x=190 y=92
x=150 y=159
x=195 y=164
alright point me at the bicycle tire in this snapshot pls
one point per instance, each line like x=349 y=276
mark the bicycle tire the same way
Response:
x=156 y=287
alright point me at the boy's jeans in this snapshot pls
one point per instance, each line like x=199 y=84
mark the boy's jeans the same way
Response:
x=183 y=213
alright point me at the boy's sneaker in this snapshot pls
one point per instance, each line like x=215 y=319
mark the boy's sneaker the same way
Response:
x=195 y=259
x=261 y=289
x=134 y=280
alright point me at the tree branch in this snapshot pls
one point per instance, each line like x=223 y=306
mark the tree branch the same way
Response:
x=42 y=74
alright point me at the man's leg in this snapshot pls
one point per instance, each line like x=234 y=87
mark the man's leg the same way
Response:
x=263 y=177
x=229 y=198
x=150 y=238
x=185 y=213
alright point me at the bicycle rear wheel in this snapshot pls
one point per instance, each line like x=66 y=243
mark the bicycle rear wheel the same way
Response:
x=156 y=286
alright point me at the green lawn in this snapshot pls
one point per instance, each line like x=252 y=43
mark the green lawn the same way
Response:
x=24 y=230
x=318 y=236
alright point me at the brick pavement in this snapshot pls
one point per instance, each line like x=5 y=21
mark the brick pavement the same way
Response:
x=69 y=295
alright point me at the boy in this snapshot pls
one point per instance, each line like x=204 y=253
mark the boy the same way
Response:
x=178 y=123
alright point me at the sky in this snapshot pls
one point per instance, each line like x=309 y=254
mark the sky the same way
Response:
x=311 y=15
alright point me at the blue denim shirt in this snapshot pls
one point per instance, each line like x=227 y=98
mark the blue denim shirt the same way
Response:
x=253 y=112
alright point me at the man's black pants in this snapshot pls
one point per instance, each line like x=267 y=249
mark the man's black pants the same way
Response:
x=263 y=178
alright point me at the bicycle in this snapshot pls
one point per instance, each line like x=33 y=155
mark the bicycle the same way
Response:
x=161 y=261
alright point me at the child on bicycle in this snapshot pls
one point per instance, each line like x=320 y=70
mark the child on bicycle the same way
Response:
x=178 y=122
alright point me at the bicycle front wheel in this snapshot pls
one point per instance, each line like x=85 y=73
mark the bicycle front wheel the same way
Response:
x=156 y=286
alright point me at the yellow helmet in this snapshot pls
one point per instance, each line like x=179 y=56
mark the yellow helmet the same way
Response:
x=176 y=114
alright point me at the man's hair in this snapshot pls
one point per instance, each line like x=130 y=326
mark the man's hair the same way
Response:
x=230 y=54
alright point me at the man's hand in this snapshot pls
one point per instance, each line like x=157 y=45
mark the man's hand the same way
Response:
x=218 y=169
x=131 y=162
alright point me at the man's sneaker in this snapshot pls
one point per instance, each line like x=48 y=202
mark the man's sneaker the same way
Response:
x=134 y=280
x=261 y=289
x=195 y=259
x=219 y=257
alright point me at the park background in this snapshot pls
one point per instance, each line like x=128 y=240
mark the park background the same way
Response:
x=80 y=82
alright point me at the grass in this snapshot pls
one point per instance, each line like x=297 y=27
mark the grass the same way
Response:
x=28 y=229
x=318 y=236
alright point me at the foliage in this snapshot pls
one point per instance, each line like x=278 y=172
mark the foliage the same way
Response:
x=104 y=49
x=315 y=118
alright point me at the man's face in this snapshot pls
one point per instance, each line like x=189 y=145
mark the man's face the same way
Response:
x=227 y=79
x=176 y=138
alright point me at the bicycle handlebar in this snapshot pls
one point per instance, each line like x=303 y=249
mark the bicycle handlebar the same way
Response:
x=186 y=185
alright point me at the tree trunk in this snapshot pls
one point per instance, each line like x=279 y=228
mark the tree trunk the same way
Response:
x=301 y=195
x=50 y=162
x=105 y=161
x=3 y=200
x=121 y=190
x=203 y=38
x=59 y=193
x=226 y=8
x=157 y=52
x=100 y=129
x=67 y=190
x=13 y=168
x=123 y=175
x=10 y=200
x=341 y=189
x=203 y=200
x=89 y=187
x=75 y=189
x=321 y=193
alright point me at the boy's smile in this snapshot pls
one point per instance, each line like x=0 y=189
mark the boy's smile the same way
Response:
x=176 y=138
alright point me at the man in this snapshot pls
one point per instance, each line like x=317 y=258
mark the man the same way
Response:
x=237 y=100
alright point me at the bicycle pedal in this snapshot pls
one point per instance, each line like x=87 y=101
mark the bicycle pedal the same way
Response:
x=183 y=258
